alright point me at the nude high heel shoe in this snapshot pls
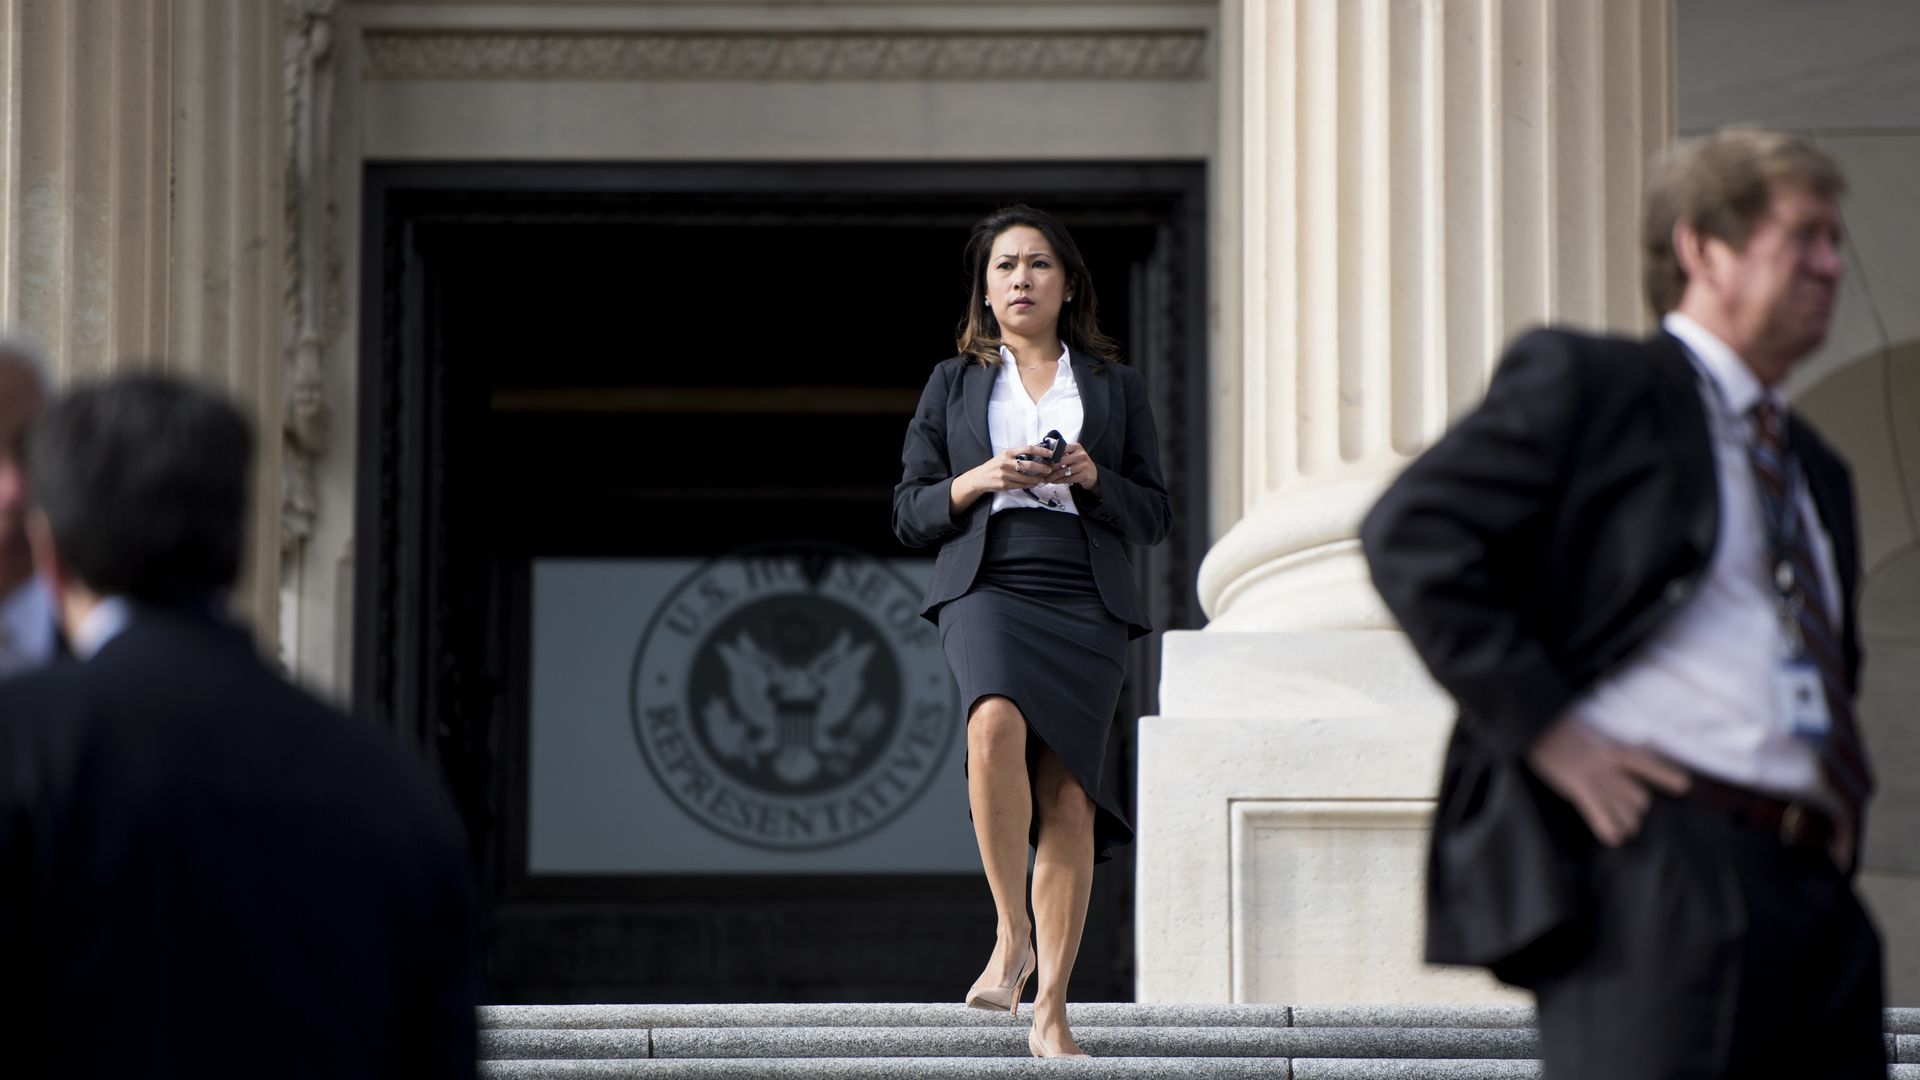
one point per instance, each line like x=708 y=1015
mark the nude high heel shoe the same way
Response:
x=1038 y=1047
x=997 y=998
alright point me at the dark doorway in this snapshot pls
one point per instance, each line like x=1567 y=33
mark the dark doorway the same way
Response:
x=624 y=362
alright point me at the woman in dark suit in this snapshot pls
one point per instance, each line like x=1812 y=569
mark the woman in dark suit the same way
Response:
x=1032 y=589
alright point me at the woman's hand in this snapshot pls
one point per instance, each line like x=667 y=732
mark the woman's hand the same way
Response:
x=1001 y=472
x=1075 y=467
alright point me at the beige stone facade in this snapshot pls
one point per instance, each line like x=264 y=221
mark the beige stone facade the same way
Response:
x=1418 y=182
x=1397 y=185
x=141 y=204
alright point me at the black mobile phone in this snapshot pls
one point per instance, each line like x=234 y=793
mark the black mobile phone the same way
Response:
x=1054 y=442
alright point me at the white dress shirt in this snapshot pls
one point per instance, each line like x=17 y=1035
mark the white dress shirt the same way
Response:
x=1015 y=420
x=1699 y=691
x=104 y=623
x=26 y=628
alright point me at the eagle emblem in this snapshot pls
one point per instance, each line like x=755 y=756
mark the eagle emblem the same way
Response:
x=795 y=719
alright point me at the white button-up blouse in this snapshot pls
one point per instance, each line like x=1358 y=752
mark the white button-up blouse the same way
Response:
x=1016 y=420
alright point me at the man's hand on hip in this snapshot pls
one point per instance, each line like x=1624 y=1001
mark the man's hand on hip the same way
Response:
x=1610 y=784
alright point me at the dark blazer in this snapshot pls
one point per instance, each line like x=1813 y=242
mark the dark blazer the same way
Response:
x=206 y=872
x=1528 y=552
x=949 y=435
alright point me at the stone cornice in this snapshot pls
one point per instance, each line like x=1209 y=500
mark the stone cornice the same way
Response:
x=1145 y=54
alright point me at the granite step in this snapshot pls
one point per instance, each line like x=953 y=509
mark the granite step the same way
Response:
x=883 y=1041
x=925 y=1068
x=1014 y=1069
x=897 y=1042
x=1090 y=1014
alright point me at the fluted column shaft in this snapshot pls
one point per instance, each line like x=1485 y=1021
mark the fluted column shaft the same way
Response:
x=140 y=207
x=1419 y=180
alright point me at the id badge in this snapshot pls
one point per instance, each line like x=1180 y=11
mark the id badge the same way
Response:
x=1801 y=698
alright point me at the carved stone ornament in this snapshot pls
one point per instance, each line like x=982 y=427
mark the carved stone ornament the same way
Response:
x=1159 y=54
x=311 y=266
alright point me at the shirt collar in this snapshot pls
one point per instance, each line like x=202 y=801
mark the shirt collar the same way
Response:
x=1739 y=387
x=105 y=622
x=1066 y=357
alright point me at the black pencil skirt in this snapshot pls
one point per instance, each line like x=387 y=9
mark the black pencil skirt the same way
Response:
x=1034 y=630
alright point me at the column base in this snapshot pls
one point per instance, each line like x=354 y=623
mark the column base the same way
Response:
x=1284 y=796
x=1293 y=564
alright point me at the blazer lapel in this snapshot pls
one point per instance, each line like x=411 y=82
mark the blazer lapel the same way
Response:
x=977 y=388
x=1835 y=514
x=1686 y=419
x=1827 y=483
x=1094 y=406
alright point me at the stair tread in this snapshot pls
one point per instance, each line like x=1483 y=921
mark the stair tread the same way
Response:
x=805 y=1042
x=1901 y=1021
x=923 y=1068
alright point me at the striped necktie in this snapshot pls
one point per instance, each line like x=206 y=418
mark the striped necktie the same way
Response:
x=1843 y=761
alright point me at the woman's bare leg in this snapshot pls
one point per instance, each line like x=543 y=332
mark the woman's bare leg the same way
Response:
x=1001 y=796
x=1062 y=882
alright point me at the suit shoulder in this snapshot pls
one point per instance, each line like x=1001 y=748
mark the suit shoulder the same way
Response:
x=1596 y=362
x=951 y=367
x=947 y=373
x=1131 y=381
x=341 y=744
x=1575 y=345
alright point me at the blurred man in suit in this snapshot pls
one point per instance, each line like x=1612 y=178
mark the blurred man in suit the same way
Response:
x=1636 y=570
x=28 y=637
x=203 y=870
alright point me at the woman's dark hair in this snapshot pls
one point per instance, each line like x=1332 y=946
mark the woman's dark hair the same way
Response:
x=979 y=333
x=144 y=481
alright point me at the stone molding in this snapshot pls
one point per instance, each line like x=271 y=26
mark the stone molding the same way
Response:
x=313 y=299
x=1141 y=54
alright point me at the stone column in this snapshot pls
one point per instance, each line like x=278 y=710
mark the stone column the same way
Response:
x=1418 y=180
x=140 y=211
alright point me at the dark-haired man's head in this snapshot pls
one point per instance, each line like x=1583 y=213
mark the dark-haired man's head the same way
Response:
x=141 y=483
x=23 y=393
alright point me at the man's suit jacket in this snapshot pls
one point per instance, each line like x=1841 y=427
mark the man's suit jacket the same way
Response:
x=206 y=872
x=1531 y=550
x=949 y=435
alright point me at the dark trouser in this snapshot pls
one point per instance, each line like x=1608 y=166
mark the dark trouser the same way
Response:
x=1716 y=952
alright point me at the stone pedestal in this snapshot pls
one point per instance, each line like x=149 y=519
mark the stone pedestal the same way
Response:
x=1417 y=181
x=1284 y=800
x=140 y=212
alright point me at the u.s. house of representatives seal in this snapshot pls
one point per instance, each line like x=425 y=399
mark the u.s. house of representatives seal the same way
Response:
x=792 y=698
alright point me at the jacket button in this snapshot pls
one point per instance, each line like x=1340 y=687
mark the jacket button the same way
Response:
x=1677 y=591
x=1096 y=543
